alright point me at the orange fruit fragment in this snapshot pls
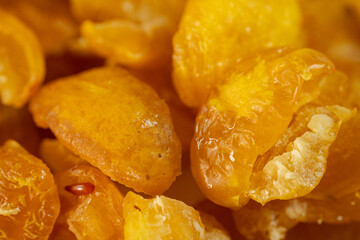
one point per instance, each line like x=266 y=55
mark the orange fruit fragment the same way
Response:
x=215 y=34
x=248 y=113
x=160 y=218
x=28 y=195
x=91 y=204
x=21 y=61
x=116 y=123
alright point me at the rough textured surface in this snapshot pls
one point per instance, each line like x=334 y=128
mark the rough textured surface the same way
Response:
x=29 y=202
x=147 y=24
x=160 y=218
x=21 y=61
x=215 y=34
x=116 y=123
x=237 y=125
x=98 y=215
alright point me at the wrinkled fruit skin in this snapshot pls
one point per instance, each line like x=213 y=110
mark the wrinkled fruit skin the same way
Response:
x=116 y=123
x=28 y=195
x=148 y=26
x=215 y=34
x=22 y=63
x=160 y=218
x=94 y=213
x=236 y=126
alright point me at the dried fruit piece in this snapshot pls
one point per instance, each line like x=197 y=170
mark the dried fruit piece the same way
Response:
x=236 y=126
x=160 y=218
x=215 y=34
x=213 y=228
x=115 y=122
x=96 y=214
x=132 y=33
x=342 y=164
x=274 y=219
x=57 y=157
x=51 y=21
x=28 y=196
x=21 y=60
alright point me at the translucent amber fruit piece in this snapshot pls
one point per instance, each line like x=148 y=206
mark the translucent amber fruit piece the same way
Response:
x=298 y=167
x=342 y=164
x=51 y=21
x=132 y=33
x=91 y=204
x=28 y=195
x=215 y=34
x=160 y=218
x=116 y=123
x=57 y=157
x=21 y=61
x=247 y=114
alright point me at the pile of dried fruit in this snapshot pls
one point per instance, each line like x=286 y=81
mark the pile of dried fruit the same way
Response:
x=197 y=119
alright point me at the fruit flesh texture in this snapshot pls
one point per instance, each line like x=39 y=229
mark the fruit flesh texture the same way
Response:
x=160 y=218
x=147 y=25
x=132 y=140
x=201 y=58
x=335 y=33
x=274 y=219
x=29 y=199
x=97 y=215
x=51 y=21
x=21 y=61
x=57 y=157
x=232 y=131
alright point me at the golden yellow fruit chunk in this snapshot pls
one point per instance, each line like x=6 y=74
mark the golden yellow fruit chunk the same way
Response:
x=57 y=157
x=29 y=202
x=248 y=113
x=91 y=204
x=116 y=123
x=215 y=34
x=132 y=33
x=51 y=21
x=21 y=61
x=160 y=218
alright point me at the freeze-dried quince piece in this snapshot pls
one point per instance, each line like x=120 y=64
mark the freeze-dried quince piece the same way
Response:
x=213 y=228
x=51 y=21
x=342 y=164
x=132 y=33
x=21 y=61
x=57 y=157
x=257 y=222
x=273 y=220
x=91 y=204
x=29 y=202
x=116 y=123
x=215 y=34
x=247 y=114
x=160 y=218
x=296 y=165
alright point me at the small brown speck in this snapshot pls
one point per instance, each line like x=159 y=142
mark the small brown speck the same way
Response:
x=137 y=208
x=159 y=155
x=147 y=177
